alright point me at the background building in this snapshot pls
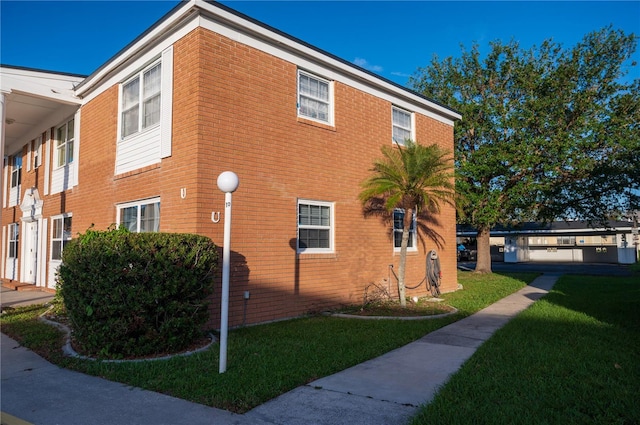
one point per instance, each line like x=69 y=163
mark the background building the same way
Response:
x=560 y=241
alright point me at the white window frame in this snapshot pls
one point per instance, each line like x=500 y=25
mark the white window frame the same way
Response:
x=15 y=178
x=566 y=240
x=64 y=149
x=313 y=114
x=138 y=205
x=412 y=246
x=64 y=236
x=37 y=152
x=143 y=97
x=13 y=239
x=397 y=126
x=330 y=227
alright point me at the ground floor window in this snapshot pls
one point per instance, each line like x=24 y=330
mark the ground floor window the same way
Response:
x=60 y=236
x=14 y=236
x=315 y=226
x=140 y=216
x=398 y=225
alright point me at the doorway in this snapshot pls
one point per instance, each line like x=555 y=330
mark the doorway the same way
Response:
x=30 y=252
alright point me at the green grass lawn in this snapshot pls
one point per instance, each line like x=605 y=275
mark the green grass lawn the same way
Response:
x=571 y=358
x=267 y=360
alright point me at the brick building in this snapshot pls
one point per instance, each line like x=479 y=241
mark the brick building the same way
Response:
x=141 y=141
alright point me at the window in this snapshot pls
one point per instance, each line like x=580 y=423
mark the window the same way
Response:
x=64 y=144
x=398 y=225
x=141 y=101
x=60 y=236
x=315 y=232
x=16 y=170
x=14 y=236
x=537 y=240
x=140 y=216
x=566 y=240
x=401 y=126
x=37 y=152
x=314 y=97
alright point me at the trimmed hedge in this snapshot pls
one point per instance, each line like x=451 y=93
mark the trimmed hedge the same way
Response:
x=136 y=294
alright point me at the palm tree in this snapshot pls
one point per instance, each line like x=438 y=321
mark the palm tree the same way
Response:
x=414 y=178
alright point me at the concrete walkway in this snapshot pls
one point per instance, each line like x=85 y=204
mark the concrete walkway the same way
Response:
x=12 y=298
x=386 y=390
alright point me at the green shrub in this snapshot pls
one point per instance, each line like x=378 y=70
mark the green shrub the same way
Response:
x=136 y=294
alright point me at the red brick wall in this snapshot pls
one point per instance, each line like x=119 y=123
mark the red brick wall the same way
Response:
x=247 y=123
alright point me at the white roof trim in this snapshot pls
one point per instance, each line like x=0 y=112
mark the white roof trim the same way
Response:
x=255 y=35
x=162 y=29
x=245 y=31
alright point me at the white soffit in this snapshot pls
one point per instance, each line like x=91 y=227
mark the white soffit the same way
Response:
x=51 y=86
x=34 y=101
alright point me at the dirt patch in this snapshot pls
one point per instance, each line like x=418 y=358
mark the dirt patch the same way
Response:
x=394 y=309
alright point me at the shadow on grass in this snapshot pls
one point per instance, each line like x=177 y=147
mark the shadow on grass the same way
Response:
x=570 y=358
x=615 y=301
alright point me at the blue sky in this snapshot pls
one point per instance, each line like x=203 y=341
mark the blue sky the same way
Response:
x=390 y=38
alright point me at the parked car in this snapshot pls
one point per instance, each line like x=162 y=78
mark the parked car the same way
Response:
x=467 y=254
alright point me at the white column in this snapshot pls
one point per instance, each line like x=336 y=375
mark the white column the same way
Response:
x=3 y=115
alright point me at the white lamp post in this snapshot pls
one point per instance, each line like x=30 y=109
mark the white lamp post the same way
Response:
x=228 y=183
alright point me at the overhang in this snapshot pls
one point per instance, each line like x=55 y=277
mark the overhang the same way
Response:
x=34 y=100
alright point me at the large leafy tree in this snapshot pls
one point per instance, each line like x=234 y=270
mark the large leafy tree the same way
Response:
x=415 y=178
x=546 y=133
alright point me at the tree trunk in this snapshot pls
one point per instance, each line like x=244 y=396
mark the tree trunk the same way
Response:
x=403 y=256
x=483 y=261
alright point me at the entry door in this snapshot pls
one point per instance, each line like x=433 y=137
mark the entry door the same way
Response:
x=30 y=259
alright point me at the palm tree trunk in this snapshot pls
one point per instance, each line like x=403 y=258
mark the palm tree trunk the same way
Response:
x=406 y=229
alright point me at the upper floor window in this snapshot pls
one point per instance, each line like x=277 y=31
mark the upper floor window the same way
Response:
x=315 y=226
x=37 y=152
x=398 y=226
x=60 y=236
x=402 y=126
x=14 y=235
x=314 y=97
x=64 y=143
x=141 y=101
x=140 y=216
x=16 y=170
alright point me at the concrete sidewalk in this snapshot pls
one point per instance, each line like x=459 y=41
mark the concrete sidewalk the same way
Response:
x=13 y=298
x=385 y=390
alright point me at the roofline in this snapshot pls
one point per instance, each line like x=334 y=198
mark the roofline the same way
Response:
x=24 y=68
x=615 y=227
x=325 y=53
x=174 y=18
x=159 y=22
